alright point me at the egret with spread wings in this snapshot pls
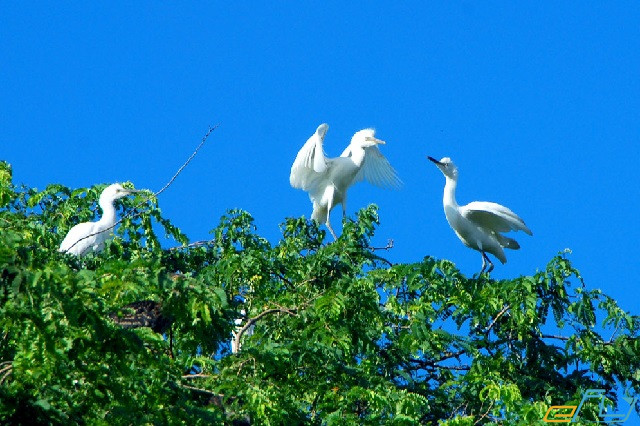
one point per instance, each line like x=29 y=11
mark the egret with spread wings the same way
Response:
x=328 y=179
x=479 y=224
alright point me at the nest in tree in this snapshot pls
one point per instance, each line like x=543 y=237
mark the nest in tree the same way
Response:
x=145 y=313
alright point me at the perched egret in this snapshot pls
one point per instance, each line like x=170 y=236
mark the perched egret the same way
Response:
x=328 y=179
x=478 y=224
x=88 y=237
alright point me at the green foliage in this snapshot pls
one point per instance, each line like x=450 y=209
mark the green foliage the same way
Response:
x=340 y=335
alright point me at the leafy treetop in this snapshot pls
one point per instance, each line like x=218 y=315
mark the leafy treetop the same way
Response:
x=340 y=336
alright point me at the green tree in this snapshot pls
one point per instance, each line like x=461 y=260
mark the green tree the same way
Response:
x=339 y=335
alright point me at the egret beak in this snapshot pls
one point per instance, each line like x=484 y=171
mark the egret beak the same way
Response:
x=375 y=140
x=435 y=161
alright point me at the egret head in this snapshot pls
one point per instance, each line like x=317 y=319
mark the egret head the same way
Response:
x=321 y=131
x=446 y=166
x=115 y=192
x=366 y=138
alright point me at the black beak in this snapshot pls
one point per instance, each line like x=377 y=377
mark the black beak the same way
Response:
x=434 y=160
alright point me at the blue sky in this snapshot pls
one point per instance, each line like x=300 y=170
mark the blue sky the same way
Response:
x=538 y=103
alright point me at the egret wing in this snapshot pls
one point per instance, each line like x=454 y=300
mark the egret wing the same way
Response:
x=376 y=169
x=310 y=163
x=494 y=217
x=72 y=243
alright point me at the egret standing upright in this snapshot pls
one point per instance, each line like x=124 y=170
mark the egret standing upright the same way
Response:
x=328 y=179
x=478 y=224
x=88 y=237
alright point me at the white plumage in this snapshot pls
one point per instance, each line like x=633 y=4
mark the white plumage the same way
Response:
x=328 y=179
x=88 y=237
x=479 y=224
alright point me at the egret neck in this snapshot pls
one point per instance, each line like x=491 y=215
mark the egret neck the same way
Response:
x=449 y=196
x=108 y=218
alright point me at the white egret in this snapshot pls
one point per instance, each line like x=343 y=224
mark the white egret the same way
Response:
x=88 y=237
x=479 y=224
x=328 y=179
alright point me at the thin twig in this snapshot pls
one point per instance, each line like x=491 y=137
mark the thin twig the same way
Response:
x=486 y=413
x=551 y=336
x=463 y=367
x=193 y=245
x=389 y=246
x=614 y=333
x=155 y=194
x=6 y=371
x=196 y=376
x=421 y=363
x=193 y=388
x=455 y=410
x=505 y=309
x=204 y=139
x=171 y=356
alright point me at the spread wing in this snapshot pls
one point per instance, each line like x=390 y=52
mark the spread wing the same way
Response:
x=376 y=169
x=310 y=164
x=493 y=217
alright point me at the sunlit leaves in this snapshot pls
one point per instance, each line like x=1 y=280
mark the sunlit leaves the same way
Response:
x=339 y=335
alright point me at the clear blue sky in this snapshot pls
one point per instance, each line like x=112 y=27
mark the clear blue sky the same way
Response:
x=537 y=102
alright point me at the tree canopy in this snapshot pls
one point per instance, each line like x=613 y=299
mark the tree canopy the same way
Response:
x=339 y=335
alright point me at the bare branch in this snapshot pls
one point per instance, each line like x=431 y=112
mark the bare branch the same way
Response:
x=389 y=246
x=485 y=414
x=505 y=309
x=551 y=336
x=193 y=245
x=421 y=363
x=613 y=334
x=196 y=376
x=193 y=388
x=204 y=139
x=455 y=411
x=5 y=371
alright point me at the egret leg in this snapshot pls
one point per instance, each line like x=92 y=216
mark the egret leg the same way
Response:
x=485 y=260
x=330 y=205
x=344 y=206
x=335 y=237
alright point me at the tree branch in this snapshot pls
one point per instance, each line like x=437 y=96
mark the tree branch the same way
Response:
x=387 y=247
x=193 y=388
x=505 y=309
x=433 y=363
x=485 y=414
x=204 y=139
x=196 y=376
x=194 y=244
x=551 y=336
x=6 y=370
x=251 y=321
